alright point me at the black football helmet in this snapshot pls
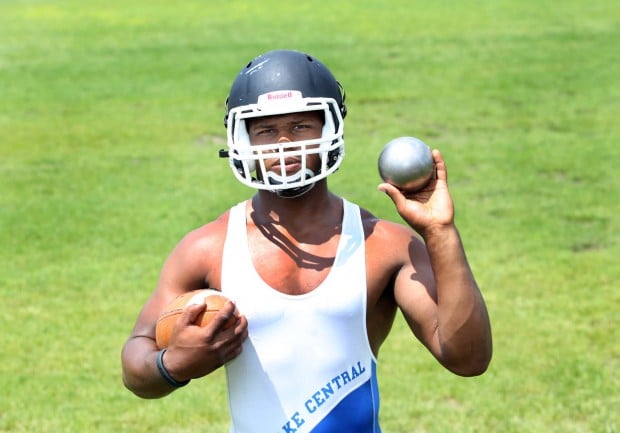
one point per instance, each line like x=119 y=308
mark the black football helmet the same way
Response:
x=282 y=82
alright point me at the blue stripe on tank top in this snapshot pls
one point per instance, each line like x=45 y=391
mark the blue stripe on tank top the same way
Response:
x=356 y=413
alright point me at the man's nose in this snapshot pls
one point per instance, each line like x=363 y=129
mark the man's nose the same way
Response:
x=284 y=138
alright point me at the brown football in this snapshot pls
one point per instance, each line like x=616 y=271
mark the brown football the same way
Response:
x=214 y=300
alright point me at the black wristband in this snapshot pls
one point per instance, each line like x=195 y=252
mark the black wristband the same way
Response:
x=162 y=370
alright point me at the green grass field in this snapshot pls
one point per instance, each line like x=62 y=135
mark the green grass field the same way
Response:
x=110 y=121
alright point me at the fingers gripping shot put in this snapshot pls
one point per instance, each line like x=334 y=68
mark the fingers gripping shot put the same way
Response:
x=316 y=279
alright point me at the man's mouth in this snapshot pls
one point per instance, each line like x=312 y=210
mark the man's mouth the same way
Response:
x=291 y=165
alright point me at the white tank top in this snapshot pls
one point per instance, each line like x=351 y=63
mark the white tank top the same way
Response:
x=307 y=365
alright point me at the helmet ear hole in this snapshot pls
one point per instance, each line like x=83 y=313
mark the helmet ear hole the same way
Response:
x=332 y=157
x=237 y=161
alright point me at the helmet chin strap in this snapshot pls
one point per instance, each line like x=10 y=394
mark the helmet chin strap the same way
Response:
x=276 y=179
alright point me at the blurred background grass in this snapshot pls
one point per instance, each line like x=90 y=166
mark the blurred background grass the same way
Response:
x=110 y=120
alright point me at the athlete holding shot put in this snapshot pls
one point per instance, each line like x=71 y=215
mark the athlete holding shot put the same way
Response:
x=315 y=279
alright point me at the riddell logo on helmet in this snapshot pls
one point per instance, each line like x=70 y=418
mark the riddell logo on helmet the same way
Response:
x=280 y=96
x=285 y=95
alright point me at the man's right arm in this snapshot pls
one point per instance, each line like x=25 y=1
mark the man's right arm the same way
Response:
x=193 y=351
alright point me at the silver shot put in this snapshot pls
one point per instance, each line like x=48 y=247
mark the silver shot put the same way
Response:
x=407 y=163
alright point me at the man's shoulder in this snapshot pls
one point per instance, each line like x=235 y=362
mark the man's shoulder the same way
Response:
x=209 y=233
x=380 y=230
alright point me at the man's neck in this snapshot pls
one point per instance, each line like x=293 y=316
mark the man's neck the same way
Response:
x=316 y=209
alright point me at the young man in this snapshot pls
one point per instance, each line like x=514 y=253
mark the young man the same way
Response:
x=316 y=281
